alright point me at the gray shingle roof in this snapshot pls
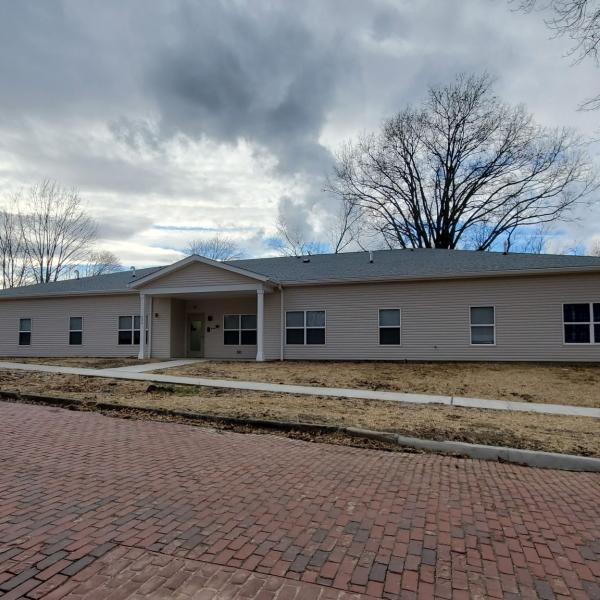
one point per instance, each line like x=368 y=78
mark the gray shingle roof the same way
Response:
x=400 y=264
x=111 y=282
x=350 y=266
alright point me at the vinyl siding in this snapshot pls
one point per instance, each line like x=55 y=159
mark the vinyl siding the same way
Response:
x=161 y=328
x=435 y=319
x=272 y=334
x=178 y=324
x=198 y=274
x=50 y=325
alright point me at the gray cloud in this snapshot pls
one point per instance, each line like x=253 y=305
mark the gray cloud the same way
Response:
x=110 y=228
x=231 y=73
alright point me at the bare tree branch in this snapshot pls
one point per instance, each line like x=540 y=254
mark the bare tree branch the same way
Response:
x=57 y=232
x=101 y=262
x=13 y=266
x=578 y=20
x=293 y=241
x=462 y=170
x=216 y=248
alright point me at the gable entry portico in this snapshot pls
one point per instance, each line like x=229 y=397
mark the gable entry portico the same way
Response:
x=198 y=292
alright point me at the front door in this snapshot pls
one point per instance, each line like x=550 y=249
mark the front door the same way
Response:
x=195 y=337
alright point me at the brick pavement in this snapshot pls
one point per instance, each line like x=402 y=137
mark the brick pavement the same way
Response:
x=98 y=507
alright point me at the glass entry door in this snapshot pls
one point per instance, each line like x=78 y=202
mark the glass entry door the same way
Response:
x=195 y=336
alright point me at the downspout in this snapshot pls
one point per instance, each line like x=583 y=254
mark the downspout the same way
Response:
x=281 y=323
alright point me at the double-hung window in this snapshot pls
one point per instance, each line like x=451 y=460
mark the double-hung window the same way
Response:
x=239 y=330
x=305 y=327
x=389 y=326
x=483 y=325
x=582 y=323
x=24 y=332
x=129 y=330
x=75 y=331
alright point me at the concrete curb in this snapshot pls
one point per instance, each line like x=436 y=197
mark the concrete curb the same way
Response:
x=71 y=403
x=529 y=458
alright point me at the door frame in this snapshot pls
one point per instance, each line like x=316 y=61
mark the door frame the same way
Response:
x=188 y=322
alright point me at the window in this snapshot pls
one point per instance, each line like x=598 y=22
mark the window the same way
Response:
x=582 y=323
x=305 y=327
x=75 y=331
x=483 y=325
x=239 y=330
x=389 y=326
x=129 y=330
x=24 y=332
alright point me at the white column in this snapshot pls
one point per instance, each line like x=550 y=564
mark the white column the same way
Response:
x=142 y=353
x=260 y=320
x=149 y=313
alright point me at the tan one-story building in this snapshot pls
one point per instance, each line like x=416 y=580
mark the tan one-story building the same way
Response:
x=421 y=304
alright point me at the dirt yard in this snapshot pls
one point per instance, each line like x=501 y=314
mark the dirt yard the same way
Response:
x=573 y=435
x=548 y=383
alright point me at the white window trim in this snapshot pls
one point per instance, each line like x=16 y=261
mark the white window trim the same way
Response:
x=239 y=328
x=30 y=332
x=471 y=325
x=132 y=329
x=389 y=326
x=590 y=323
x=305 y=327
x=76 y=331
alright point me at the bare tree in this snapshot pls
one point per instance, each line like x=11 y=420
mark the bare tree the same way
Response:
x=57 y=232
x=13 y=267
x=462 y=170
x=345 y=230
x=528 y=240
x=595 y=251
x=101 y=262
x=579 y=20
x=347 y=227
x=216 y=248
x=293 y=241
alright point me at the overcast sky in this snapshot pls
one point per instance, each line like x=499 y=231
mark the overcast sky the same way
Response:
x=176 y=119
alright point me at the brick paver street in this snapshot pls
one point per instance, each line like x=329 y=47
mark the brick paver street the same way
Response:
x=99 y=507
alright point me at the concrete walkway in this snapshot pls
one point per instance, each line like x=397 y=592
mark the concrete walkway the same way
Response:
x=168 y=364
x=120 y=373
x=257 y=386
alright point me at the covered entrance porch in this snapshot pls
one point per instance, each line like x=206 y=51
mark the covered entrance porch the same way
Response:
x=224 y=322
x=201 y=308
